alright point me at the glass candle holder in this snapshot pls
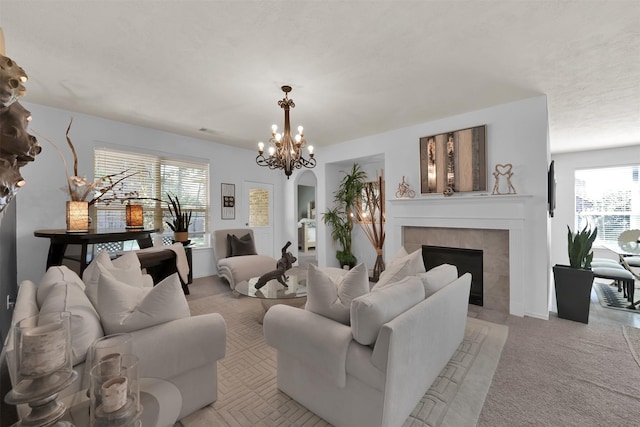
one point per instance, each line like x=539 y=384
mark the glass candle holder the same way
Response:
x=43 y=352
x=115 y=391
x=103 y=347
x=43 y=367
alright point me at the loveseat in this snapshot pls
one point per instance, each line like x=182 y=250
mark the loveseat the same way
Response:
x=178 y=353
x=236 y=256
x=374 y=370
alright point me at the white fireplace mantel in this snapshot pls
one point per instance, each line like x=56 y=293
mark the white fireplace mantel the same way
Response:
x=503 y=212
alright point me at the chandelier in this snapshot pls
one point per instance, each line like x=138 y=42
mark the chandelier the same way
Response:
x=285 y=151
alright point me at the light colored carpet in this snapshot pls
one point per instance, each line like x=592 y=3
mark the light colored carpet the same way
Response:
x=561 y=373
x=248 y=394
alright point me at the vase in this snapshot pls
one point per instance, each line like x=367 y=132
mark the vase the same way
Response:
x=77 y=217
x=181 y=236
x=573 y=292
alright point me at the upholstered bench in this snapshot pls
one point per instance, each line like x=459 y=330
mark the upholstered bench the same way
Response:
x=604 y=268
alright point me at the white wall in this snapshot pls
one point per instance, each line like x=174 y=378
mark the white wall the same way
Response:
x=565 y=166
x=517 y=133
x=41 y=203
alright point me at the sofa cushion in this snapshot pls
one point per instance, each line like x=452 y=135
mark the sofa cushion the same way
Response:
x=125 y=269
x=240 y=246
x=85 y=323
x=54 y=275
x=369 y=312
x=332 y=299
x=436 y=278
x=125 y=308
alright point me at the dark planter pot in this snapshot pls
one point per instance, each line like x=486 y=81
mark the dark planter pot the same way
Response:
x=573 y=292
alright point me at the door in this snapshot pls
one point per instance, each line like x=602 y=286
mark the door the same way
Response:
x=259 y=200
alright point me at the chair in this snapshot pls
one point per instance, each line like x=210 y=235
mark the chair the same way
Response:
x=236 y=269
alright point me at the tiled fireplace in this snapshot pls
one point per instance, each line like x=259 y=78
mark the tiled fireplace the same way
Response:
x=493 y=224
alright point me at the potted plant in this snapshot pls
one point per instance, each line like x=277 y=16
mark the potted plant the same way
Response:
x=340 y=217
x=181 y=220
x=573 y=282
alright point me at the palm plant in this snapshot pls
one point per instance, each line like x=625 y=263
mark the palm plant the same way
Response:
x=340 y=217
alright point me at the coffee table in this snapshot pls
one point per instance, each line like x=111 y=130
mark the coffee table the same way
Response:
x=275 y=293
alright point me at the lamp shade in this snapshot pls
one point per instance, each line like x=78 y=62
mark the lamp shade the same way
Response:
x=134 y=216
x=77 y=216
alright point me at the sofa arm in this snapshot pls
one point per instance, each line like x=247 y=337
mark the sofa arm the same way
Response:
x=320 y=343
x=175 y=347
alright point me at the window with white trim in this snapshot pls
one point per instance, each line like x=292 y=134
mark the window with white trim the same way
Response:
x=153 y=178
x=608 y=198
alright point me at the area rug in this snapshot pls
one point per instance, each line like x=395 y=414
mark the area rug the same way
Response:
x=609 y=297
x=248 y=394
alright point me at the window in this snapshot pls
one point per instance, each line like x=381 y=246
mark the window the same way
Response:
x=608 y=198
x=155 y=177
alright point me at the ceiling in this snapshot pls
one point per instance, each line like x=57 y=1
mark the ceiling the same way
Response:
x=357 y=68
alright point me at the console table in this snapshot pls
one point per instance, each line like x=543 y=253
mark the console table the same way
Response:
x=59 y=239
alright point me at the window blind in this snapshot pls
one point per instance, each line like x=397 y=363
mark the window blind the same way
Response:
x=608 y=198
x=153 y=178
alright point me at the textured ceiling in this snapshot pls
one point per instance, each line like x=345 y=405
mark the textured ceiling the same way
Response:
x=356 y=67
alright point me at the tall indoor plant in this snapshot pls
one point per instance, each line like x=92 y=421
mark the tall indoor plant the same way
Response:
x=573 y=282
x=181 y=220
x=340 y=217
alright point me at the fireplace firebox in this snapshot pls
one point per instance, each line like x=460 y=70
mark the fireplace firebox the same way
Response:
x=466 y=260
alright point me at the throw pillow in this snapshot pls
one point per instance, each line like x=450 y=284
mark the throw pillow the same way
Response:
x=85 y=323
x=333 y=299
x=394 y=273
x=54 y=275
x=437 y=278
x=415 y=258
x=369 y=312
x=125 y=308
x=125 y=269
x=240 y=246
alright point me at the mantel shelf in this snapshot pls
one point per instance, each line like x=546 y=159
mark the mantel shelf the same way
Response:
x=462 y=197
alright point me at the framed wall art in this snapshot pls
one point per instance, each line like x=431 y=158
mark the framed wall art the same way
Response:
x=454 y=161
x=228 y=201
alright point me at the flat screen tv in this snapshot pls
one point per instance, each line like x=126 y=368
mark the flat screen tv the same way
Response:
x=551 y=189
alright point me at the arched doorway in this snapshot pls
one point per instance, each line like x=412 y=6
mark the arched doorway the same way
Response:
x=307 y=217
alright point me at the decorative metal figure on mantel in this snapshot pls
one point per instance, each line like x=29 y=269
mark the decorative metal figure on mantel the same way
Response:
x=503 y=170
x=283 y=264
x=404 y=190
x=285 y=152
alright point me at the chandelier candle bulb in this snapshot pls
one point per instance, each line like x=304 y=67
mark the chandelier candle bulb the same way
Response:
x=261 y=147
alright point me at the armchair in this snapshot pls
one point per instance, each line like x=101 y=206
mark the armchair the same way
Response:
x=236 y=268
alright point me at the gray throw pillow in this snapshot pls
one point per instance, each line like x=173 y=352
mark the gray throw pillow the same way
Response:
x=240 y=246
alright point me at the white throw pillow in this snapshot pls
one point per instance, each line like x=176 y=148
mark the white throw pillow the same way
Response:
x=85 y=323
x=437 y=278
x=414 y=258
x=333 y=299
x=394 y=273
x=54 y=275
x=125 y=269
x=369 y=312
x=125 y=308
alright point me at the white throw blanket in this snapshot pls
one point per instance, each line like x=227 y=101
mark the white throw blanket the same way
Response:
x=181 y=258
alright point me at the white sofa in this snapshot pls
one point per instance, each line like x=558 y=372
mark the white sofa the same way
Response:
x=178 y=358
x=235 y=269
x=373 y=372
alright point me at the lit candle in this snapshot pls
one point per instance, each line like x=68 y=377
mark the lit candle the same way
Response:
x=114 y=394
x=43 y=349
